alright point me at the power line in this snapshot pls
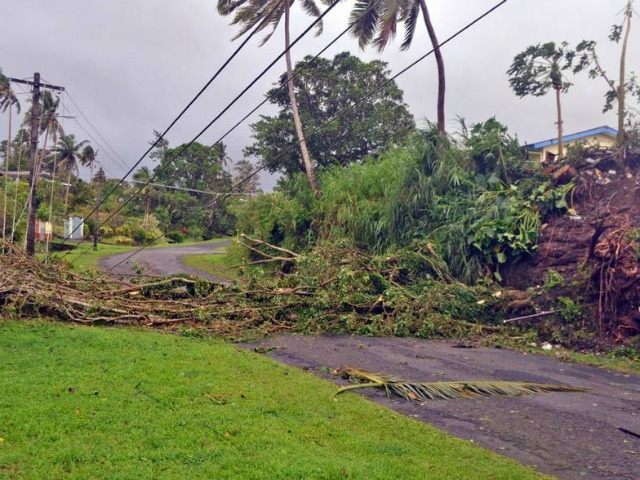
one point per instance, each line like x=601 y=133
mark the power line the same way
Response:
x=182 y=189
x=185 y=109
x=119 y=160
x=343 y=111
x=186 y=146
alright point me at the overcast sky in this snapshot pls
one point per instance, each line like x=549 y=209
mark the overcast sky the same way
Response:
x=132 y=65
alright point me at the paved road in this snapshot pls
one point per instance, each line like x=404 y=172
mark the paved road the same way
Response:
x=570 y=435
x=165 y=260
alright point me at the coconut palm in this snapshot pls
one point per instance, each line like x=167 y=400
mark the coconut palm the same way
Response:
x=8 y=97
x=376 y=21
x=8 y=100
x=263 y=14
x=88 y=158
x=50 y=125
x=145 y=176
x=69 y=155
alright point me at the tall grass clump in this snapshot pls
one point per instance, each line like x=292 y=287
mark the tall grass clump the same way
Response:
x=473 y=201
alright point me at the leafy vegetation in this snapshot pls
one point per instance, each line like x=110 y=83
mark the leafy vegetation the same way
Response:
x=191 y=408
x=453 y=199
x=324 y=88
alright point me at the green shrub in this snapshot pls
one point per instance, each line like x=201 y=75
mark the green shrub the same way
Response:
x=121 y=240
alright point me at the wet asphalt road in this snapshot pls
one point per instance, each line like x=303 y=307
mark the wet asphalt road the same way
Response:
x=569 y=435
x=165 y=260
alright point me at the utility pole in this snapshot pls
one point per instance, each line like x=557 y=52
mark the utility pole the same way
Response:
x=35 y=168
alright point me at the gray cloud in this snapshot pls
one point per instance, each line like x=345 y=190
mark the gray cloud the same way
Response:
x=131 y=66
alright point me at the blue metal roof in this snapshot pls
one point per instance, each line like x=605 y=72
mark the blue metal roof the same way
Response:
x=604 y=130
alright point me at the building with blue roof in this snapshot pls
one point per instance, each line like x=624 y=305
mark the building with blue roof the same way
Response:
x=547 y=150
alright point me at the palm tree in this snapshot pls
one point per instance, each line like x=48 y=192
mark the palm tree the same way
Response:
x=88 y=158
x=69 y=155
x=50 y=126
x=8 y=100
x=375 y=21
x=8 y=97
x=268 y=13
x=145 y=176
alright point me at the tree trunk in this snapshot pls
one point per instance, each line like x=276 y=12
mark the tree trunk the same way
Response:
x=6 y=180
x=622 y=83
x=53 y=182
x=560 y=134
x=440 y=64
x=147 y=197
x=66 y=195
x=306 y=158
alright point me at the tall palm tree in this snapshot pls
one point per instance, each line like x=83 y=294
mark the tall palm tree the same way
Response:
x=50 y=125
x=376 y=21
x=144 y=175
x=268 y=13
x=69 y=154
x=88 y=158
x=7 y=95
x=8 y=100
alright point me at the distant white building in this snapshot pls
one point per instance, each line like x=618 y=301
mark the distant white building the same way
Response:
x=74 y=228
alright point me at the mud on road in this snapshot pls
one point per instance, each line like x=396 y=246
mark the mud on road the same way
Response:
x=569 y=435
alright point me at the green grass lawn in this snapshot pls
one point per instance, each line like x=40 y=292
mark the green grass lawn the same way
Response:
x=215 y=264
x=84 y=259
x=80 y=402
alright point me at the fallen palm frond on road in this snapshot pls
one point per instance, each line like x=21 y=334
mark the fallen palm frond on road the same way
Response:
x=422 y=391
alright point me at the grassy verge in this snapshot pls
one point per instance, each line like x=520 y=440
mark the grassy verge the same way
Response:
x=86 y=258
x=214 y=264
x=609 y=361
x=82 y=402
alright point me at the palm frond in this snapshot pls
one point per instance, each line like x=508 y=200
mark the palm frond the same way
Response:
x=388 y=23
x=310 y=7
x=364 y=16
x=420 y=391
x=225 y=7
x=410 y=19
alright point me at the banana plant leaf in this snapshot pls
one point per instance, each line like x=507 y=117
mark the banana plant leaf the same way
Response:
x=421 y=391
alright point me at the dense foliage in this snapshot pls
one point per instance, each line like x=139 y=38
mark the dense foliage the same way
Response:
x=476 y=203
x=326 y=89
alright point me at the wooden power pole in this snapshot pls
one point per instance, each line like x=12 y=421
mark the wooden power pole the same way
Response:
x=35 y=167
x=33 y=179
